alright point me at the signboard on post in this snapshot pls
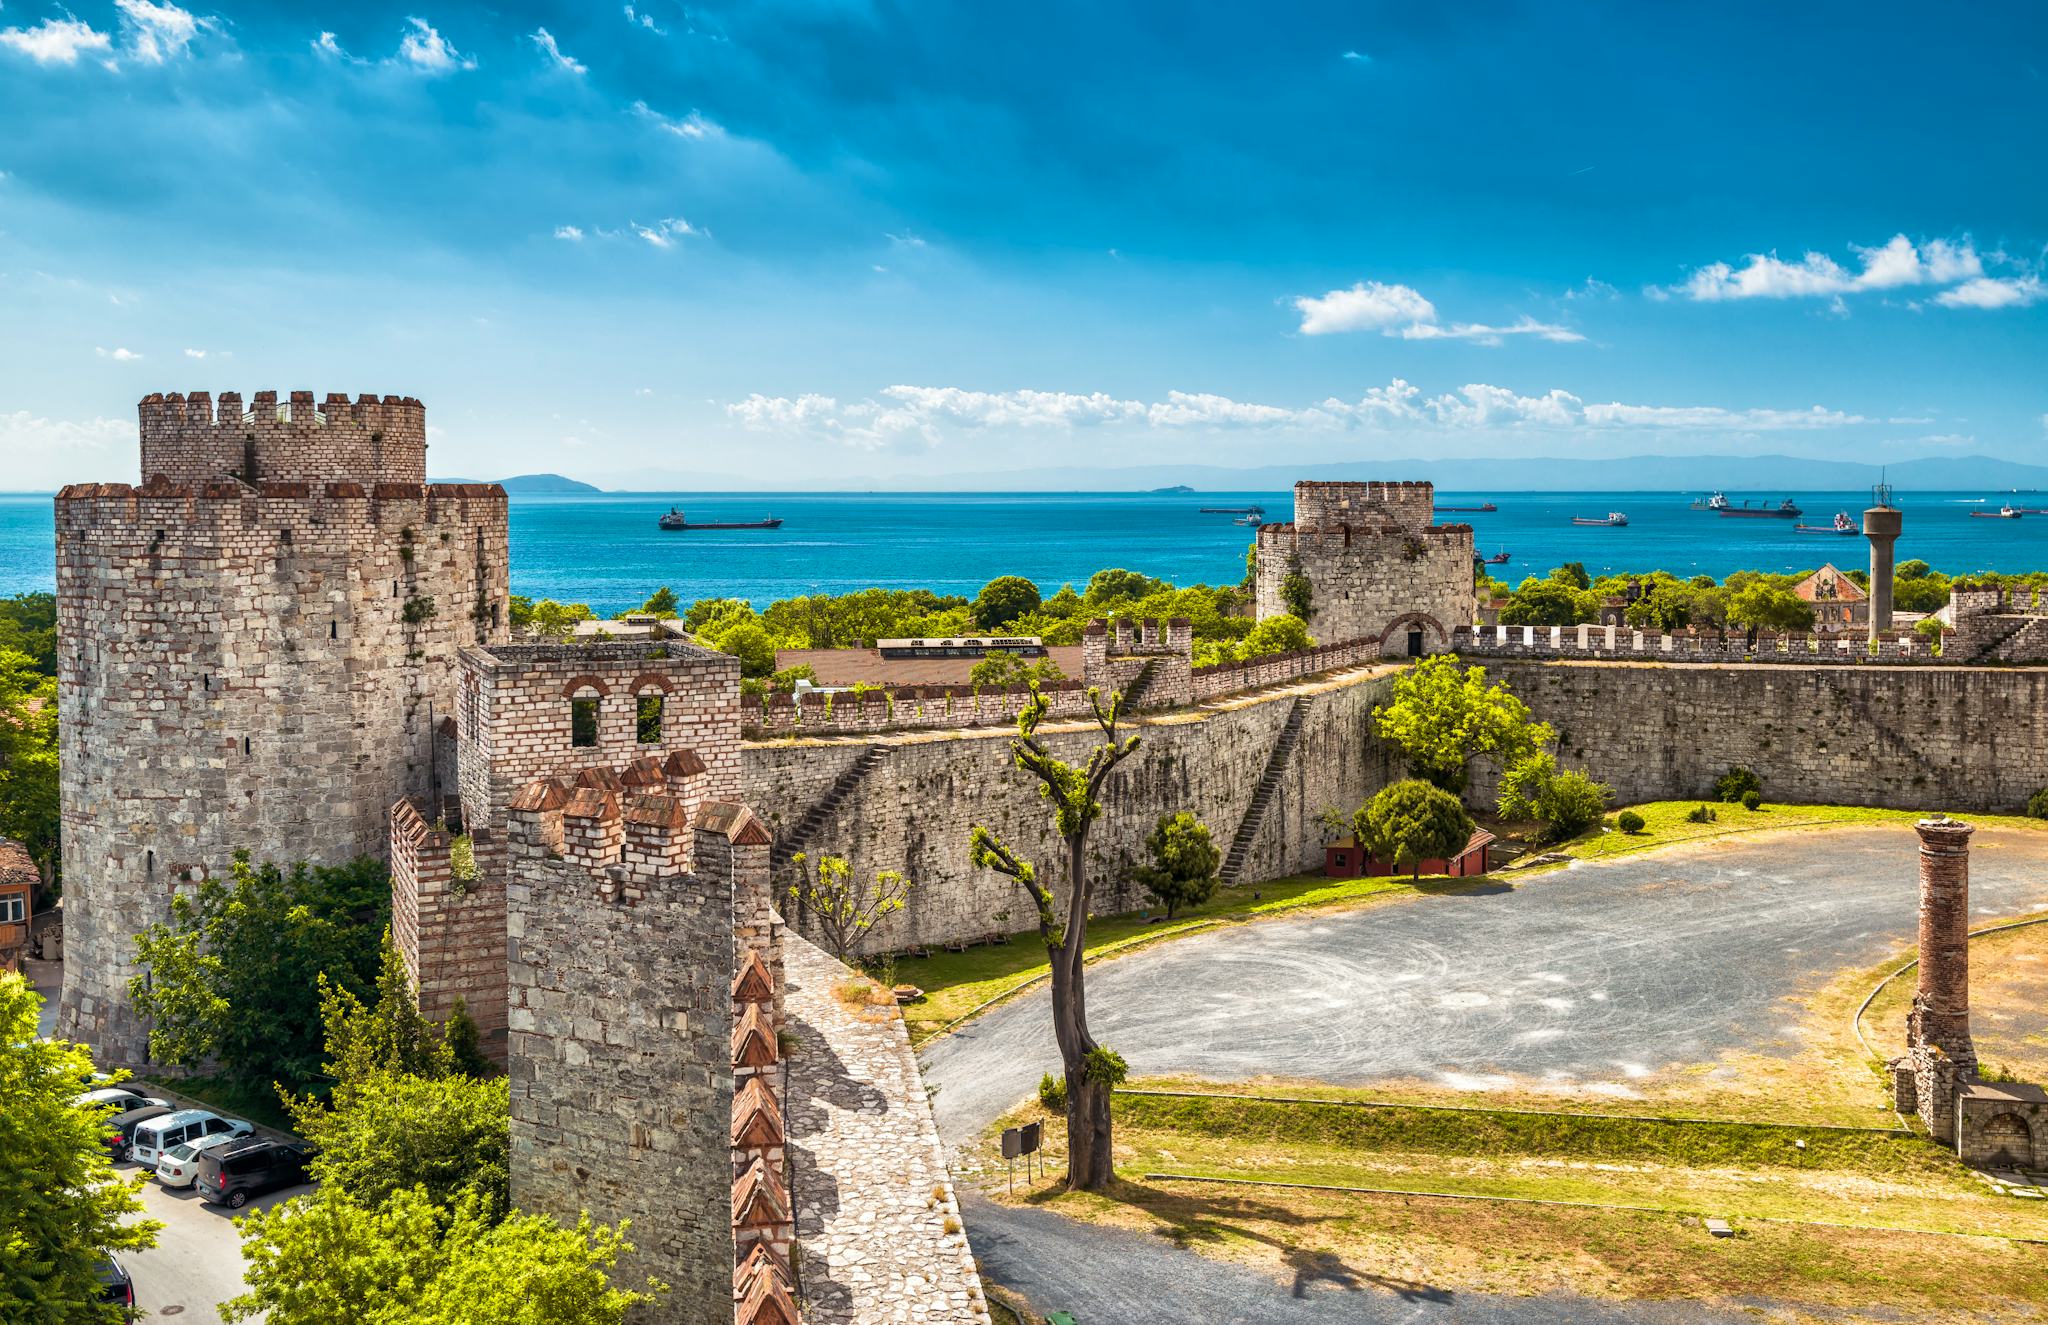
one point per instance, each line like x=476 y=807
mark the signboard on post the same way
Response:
x=1029 y=1141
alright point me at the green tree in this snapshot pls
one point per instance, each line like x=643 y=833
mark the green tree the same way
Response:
x=1276 y=634
x=1004 y=599
x=1297 y=591
x=1075 y=794
x=235 y=976
x=1918 y=587
x=1666 y=605
x=1008 y=671
x=546 y=617
x=748 y=642
x=1444 y=715
x=465 y=1043
x=28 y=624
x=1549 y=602
x=61 y=1204
x=1413 y=821
x=1574 y=574
x=1107 y=588
x=399 y=1112
x=1566 y=802
x=1184 y=861
x=840 y=905
x=662 y=602
x=28 y=760
x=412 y=1261
x=1769 y=607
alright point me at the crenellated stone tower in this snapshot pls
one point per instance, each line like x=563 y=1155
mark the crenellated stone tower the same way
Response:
x=1372 y=563
x=257 y=647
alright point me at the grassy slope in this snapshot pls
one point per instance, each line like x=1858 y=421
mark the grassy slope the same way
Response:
x=1664 y=824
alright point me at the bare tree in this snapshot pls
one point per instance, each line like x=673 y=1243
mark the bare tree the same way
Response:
x=1092 y=1070
x=841 y=906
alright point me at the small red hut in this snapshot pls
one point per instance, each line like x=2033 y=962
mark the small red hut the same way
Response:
x=1345 y=859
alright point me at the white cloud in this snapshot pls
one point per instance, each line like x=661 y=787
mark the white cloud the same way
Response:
x=1485 y=335
x=1357 y=57
x=545 y=42
x=327 y=44
x=195 y=354
x=1366 y=306
x=120 y=353
x=22 y=433
x=923 y=413
x=1993 y=292
x=1894 y=264
x=1401 y=310
x=56 y=40
x=158 y=32
x=638 y=19
x=663 y=234
x=425 y=48
x=692 y=125
x=574 y=234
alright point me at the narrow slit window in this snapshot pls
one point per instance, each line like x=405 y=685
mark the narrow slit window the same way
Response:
x=583 y=720
x=647 y=719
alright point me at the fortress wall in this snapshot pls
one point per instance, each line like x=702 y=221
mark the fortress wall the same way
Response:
x=1914 y=737
x=1368 y=581
x=913 y=811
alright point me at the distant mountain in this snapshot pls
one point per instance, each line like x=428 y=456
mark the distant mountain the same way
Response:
x=533 y=484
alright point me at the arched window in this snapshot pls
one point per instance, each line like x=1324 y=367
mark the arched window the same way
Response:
x=583 y=720
x=647 y=717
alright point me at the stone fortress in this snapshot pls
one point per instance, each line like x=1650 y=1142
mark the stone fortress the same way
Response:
x=286 y=641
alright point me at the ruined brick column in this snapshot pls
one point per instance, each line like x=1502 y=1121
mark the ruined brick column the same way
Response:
x=1941 y=1006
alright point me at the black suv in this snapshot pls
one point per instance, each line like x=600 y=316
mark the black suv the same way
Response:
x=116 y=1288
x=230 y=1174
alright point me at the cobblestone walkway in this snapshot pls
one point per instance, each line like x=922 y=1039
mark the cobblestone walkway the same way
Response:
x=876 y=1222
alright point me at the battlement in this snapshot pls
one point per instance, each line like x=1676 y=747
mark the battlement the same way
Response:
x=200 y=510
x=1334 y=505
x=189 y=438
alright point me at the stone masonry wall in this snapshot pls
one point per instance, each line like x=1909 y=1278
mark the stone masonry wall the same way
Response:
x=1909 y=737
x=621 y=1059
x=247 y=667
x=1375 y=563
x=371 y=440
x=516 y=715
x=913 y=811
x=450 y=930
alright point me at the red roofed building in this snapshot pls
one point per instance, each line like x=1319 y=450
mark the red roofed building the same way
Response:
x=1344 y=859
x=1839 y=604
x=18 y=879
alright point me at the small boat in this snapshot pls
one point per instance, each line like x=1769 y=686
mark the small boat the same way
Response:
x=1614 y=520
x=2002 y=513
x=1480 y=509
x=1253 y=520
x=1499 y=558
x=1842 y=525
x=1233 y=510
x=675 y=519
x=1717 y=502
x=1784 y=510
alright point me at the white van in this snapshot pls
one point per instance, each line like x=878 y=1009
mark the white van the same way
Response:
x=154 y=1137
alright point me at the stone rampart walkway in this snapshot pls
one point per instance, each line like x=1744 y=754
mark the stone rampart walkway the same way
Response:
x=878 y=1229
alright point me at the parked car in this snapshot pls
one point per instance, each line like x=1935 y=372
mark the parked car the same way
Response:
x=121 y=1127
x=117 y=1099
x=154 y=1137
x=179 y=1165
x=116 y=1288
x=230 y=1175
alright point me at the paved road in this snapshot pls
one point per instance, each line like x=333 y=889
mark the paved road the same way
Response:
x=1598 y=974
x=1595 y=976
x=1105 y=1275
x=196 y=1263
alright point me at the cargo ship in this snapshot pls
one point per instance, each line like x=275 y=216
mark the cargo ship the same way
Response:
x=1717 y=502
x=2002 y=513
x=1842 y=525
x=1233 y=510
x=1480 y=509
x=1784 y=510
x=1614 y=520
x=675 y=519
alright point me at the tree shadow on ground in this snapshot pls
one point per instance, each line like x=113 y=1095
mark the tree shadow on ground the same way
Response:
x=1215 y=1218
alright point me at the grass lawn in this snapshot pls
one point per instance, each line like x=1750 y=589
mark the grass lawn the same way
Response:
x=1664 y=824
x=957 y=982
x=1783 y=1199
x=2008 y=1004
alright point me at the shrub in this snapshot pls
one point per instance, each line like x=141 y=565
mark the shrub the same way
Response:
x=2037 y=804
x=1701 y=814
x=1052 y=1093
x=1630 y=822
x=1184 y=860
x=1752 y=800
x=1564 y=801
x=1729 y=787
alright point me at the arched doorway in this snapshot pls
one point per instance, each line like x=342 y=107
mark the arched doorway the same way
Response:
x=1413 y=635
x=2008 y=1144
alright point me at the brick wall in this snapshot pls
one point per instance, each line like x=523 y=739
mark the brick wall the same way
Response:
x=369 y=440
x=1375 y=563
x=1911 y=737
x=913 y=811
x=449 y=930
x=248 y=667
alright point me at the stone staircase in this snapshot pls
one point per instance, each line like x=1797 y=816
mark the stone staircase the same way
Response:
x=1134 y=693
x=798 y=836
x=1262 y=795
x=2024 y=640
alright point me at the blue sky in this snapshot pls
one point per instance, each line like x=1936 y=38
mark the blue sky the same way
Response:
x=807 y=243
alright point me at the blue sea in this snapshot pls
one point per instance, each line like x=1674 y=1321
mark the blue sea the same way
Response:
x=606 y=551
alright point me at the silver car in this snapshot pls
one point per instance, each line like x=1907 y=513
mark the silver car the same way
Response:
x=179 y=1165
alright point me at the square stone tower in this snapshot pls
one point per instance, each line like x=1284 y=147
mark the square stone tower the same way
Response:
x=254 y=649
x=1371 y=563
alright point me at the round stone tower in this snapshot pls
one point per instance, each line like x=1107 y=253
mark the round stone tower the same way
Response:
x=1881 y=525
x=255 y=650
